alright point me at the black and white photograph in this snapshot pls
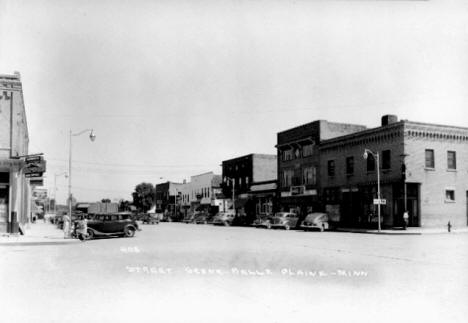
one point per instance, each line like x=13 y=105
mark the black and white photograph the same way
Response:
x=238 y=161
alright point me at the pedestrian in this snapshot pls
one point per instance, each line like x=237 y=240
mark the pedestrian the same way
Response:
x=83 y=229
x=405 y=219
x=66 y=226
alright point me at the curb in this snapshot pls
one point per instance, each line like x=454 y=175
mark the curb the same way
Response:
x=36 y=243
x=399 y=232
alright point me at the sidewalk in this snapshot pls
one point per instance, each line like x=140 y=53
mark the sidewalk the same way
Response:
x=408 y=231
x=38 y=233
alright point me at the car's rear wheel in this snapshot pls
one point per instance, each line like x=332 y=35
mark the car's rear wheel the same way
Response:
x=129 y=232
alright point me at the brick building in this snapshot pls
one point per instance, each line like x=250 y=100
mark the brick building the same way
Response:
x=254 y=179
x=424 y=166
x=168 y=197
x=15 y=192
x=299 y=163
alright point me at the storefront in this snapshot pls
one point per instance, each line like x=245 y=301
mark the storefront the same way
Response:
x=14 y=196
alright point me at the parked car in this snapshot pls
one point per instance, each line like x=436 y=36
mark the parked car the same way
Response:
x=224 y=218
x=286 y=220
x=316 y=220
x=115 y=224
x=150 y=218
x=201 y=217
x=263 y=221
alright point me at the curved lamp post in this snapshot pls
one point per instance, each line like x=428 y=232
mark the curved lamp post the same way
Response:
x=376 y=156
x=92 y=137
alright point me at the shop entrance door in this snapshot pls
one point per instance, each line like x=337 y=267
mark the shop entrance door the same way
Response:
x=3 y=208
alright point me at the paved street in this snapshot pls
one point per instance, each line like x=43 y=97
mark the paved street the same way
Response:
x=174 y=272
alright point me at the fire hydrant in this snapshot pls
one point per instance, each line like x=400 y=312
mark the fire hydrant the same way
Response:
x=449 y=226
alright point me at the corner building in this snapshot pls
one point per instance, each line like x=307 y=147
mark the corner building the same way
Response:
x=14 y=141
x=422 y=166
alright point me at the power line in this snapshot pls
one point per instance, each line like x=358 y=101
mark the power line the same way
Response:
x=131 y=165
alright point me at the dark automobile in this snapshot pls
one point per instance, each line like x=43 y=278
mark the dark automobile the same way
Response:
x=286 y=220
x=316 y=221
x=114 y=224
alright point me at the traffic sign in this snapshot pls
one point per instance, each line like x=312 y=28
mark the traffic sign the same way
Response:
x=381 y=201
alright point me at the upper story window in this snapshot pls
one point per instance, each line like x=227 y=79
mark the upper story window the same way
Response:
x=349 y=165
x=450 y=195
x=386 y=159
x=309 y=175
x=429 y=158
x=451 y=160
x=308 y=150
x=297 y=153
x=370 y=163
x=287 y=176
x=288 y=154
x=331 y=168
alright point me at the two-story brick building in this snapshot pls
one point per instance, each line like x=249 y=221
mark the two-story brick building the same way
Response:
x=14 y=140
x=253 y=178
x=423 y=168
x=299 y=163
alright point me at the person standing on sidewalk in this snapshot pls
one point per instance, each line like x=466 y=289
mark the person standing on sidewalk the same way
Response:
x=66 y=226
x=405 y=219
x=83 y=229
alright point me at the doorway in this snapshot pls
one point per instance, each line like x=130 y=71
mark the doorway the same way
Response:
x=3 y=207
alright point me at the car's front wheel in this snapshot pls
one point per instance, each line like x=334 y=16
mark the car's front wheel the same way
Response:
x=129 y=232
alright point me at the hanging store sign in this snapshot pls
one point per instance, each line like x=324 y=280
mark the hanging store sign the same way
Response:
x=35 y=166
x=38 y=181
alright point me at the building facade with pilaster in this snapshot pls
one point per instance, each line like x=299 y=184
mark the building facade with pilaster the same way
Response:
x=15 y=191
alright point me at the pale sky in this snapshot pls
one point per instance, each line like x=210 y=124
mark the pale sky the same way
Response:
x=173 y=88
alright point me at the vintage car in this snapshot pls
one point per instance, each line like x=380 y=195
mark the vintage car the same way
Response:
x=286 y=220
x=114 y=224
x=315 y=220
x=263 y=221
x=150 y=218
x=201 y=217
x=224 y=218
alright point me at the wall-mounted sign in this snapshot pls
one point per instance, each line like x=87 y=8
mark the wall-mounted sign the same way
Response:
x=297 y=190
x=38 y=181
x=35 y=166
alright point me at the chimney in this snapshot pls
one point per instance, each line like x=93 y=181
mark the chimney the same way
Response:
x=389 y=119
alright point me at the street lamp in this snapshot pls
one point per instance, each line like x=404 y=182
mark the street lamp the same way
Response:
x=233 y=191
x=55 y=189
x=376 y=156
x=92 y=137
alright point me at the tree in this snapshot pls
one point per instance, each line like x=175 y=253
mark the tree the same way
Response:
x=143 y=197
